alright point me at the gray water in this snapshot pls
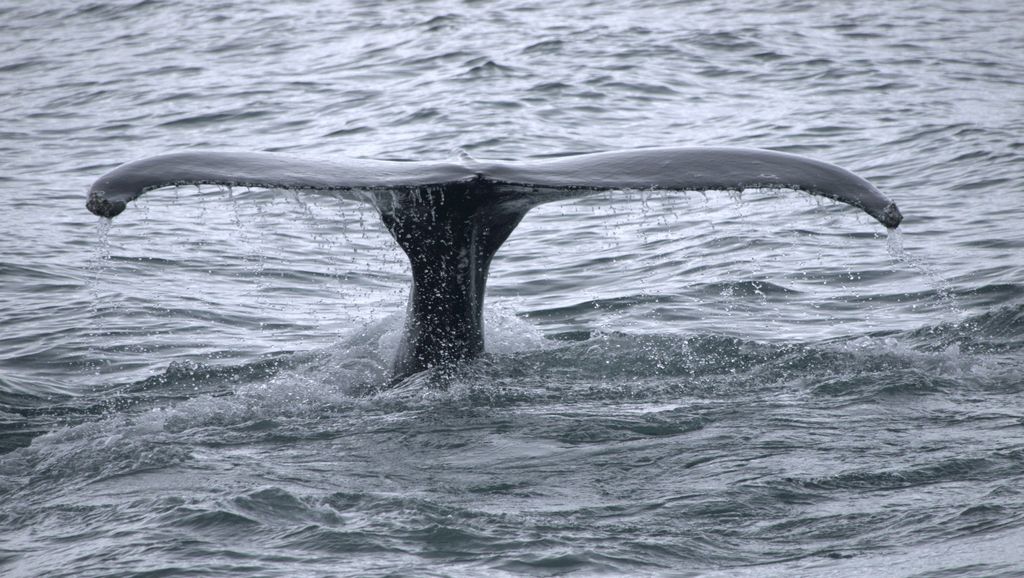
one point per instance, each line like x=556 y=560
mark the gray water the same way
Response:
x=684 y=384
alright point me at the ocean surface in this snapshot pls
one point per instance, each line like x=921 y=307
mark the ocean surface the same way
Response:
x=677 y=383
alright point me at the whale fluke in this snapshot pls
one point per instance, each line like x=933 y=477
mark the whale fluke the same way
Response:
x=450 y=218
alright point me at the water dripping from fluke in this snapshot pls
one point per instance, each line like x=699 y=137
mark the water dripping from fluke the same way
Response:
x=99 y=265
x=943 y=289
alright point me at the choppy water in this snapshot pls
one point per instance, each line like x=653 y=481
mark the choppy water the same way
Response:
x=683 y=384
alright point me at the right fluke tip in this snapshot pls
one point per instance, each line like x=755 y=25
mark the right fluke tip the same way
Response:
x=103 y=207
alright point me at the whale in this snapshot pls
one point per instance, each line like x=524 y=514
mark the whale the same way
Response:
x=451 y=217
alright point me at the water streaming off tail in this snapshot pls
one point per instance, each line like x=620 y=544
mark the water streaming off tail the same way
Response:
x=939 y=284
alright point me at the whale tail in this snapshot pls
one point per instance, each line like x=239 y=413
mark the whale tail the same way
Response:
x=451 y=218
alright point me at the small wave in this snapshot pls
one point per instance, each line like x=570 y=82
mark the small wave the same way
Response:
x=441 y=22
x=544 y=47
x=997 y=331
x=114 y=10
x=485 y=67
x=91 y=452
x=957 y=469
x=27 y=64
x=214 y=118
x=746 y=288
